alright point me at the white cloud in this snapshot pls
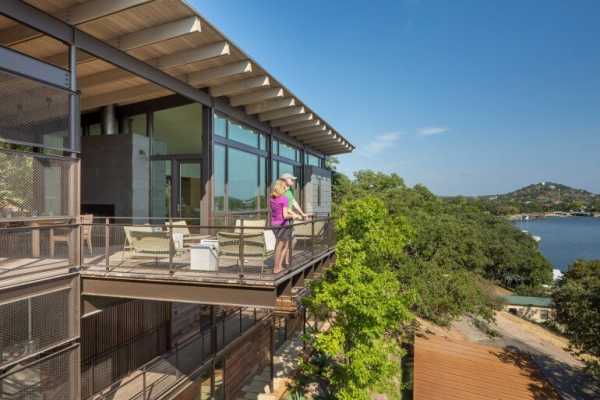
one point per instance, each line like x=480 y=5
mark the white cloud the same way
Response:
x=432 y=130
x=381 y=142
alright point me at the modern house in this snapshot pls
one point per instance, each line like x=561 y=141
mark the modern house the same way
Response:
x=137 y=146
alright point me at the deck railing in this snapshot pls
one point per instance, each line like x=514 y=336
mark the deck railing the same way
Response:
x=244 y=249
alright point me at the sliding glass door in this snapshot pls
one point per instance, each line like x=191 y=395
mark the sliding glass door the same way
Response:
x=176 y=189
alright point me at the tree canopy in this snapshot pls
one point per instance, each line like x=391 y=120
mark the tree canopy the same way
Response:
x=577 y=301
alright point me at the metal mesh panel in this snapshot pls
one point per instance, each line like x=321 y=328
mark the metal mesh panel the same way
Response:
x=33 y=113
x=33 y=186
x=32 y=325
x=50 y=379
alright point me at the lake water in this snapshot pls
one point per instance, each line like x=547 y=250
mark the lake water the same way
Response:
x=566 y=239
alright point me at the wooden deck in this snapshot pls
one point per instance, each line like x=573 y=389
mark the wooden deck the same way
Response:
x=447 y=369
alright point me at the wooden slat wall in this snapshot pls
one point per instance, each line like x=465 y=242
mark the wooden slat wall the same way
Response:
x=120 y=339
x=248 y=357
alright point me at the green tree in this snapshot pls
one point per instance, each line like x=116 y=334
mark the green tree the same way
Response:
x=364 y=305
x=577 y=301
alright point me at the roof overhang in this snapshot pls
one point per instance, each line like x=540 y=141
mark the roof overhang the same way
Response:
x=170 y=37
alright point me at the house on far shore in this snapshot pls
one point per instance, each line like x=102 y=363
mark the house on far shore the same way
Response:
x=537 y=309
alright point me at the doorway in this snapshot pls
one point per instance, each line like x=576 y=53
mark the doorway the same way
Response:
x=175 y=189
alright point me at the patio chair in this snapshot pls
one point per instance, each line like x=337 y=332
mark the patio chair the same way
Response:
x=241 y=246
x=58 y=235
x=128 y=239
x=270 y=240
x=181 y=227
x=151 y=244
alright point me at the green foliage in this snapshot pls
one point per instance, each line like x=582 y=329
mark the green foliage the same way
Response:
x=577 y=301
x=450 y=243
x=364 y=304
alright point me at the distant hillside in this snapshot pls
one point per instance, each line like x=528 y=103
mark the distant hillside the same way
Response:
x=544 y=196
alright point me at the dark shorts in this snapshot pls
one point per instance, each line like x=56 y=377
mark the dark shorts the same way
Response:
x=284 y=233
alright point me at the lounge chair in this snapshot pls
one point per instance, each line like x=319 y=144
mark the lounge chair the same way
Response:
x=240 y=246
x=257 y=225
x=181 y=227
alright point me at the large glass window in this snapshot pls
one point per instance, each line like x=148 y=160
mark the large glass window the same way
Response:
x=313 y=160
x=219 y=178
x=287 y=151
x=220 y=126
x=243 y=135
x=178 y=130
x=243 y=180
x=160 y=188
x=262 y=183
x=135 y=125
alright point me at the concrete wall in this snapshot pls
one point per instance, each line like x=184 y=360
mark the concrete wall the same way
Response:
x=115 y=171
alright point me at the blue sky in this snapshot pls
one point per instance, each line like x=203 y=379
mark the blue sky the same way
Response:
x=466 y=97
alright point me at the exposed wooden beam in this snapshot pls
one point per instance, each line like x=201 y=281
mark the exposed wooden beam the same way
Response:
x=123 y=95
x=180 y=58
x=79 y=14
x=327 y=134
x=157 y=34
x=238 y=87
x=323 y=139
x=144 y=37
x=270 y=105
x=256 y=97
x=300 y=125
x=292 y=120
x=308 y=131
x=281 y=113
x=206 y=77
x=203 y=53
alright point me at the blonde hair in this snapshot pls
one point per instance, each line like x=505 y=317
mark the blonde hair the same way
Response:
x=278 y=188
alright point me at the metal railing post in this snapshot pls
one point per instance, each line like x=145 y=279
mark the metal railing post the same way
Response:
x=177 y=361
x=312 y=238
x=242 y=257
x=291 y=245
x=81 y=253
x=171 y=246
x=144 y=384
x=106 y=242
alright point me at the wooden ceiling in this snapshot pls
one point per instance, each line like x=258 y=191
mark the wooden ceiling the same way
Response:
x=173 y=37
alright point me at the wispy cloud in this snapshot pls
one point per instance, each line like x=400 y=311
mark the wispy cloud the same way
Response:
x=432 y=130
x=381 y=142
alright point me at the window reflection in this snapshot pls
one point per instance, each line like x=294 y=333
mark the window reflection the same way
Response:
x=243 y=180
x=178 y=130
x=219 y=178
x=160 y=188
x=243 y=135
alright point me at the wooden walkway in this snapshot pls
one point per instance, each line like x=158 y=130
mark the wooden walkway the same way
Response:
x=447 y=369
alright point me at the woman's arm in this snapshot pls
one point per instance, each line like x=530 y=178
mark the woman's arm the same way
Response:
x=287 y=214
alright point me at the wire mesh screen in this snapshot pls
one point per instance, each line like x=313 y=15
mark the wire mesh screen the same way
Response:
x=49 y=379
x=33 y=113
x=33 y=186
x=34 y=324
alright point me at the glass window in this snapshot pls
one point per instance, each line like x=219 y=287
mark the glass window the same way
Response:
x=242 y=185
x=287 y=151
x=275 y=146
x=135 y=125
x=219 y=178
x=178 y=130
x=262 y=183
x=160 y=188
x=263 y=142
x=313 y=160
x=274 y=171
x=243 y=135
x=220 y=126
x=189 y=191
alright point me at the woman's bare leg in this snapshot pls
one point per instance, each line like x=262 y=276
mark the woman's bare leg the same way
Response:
x=279 y=254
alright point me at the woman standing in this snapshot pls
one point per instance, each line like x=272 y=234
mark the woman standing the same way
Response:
x=281 y=218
